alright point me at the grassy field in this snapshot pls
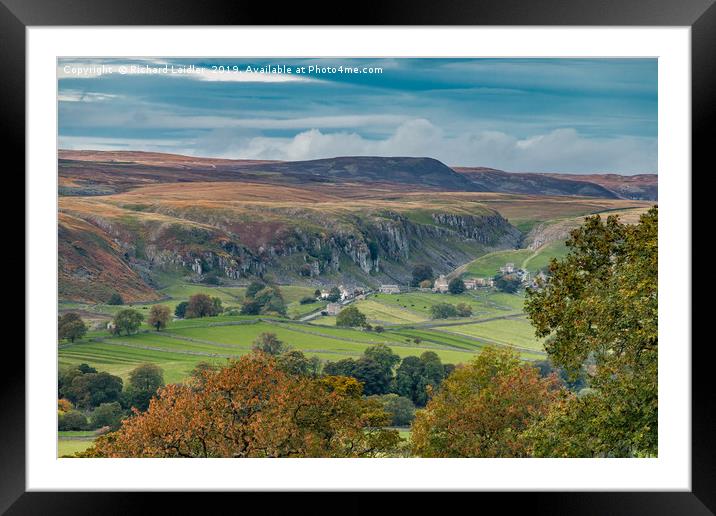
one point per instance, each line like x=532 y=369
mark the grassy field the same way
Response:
x=71 y=446
x=409 y=331
x=483 y=303
x=516 y=332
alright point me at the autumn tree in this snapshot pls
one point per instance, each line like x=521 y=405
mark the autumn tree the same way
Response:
x=253 y=409
x=201 y=305
x=159 y=316
x=71 y=327
x=482 y=408
x=127 y=321
x=601 y=305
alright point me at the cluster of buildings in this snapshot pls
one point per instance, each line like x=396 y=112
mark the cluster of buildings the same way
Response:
x=441 y=284
x=346 y=294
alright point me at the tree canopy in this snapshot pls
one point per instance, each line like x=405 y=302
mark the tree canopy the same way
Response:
x=159 y=316
x=71 y=327
x=350 y=317
x=253 y=409
x=600 y=304
x=128 y=321
x=482 y=408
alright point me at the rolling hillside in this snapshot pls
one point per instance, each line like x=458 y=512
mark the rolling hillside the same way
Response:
x=127 y=219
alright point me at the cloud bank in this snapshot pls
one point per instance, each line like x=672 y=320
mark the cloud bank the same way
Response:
x=560 y=150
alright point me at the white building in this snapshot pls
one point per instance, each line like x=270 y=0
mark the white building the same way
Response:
x=441 y=284
x=389 y=289
x=508 y=268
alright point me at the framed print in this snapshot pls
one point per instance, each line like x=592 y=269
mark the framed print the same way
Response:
x=416 y=253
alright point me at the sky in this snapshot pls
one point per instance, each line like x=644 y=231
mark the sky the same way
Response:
x=519 y=115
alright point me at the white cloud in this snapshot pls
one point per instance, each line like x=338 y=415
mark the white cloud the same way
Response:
x=561 y=150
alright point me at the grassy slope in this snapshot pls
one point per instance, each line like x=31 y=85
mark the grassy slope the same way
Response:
x=186 y=342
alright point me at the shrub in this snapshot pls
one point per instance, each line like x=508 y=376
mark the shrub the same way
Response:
x=443 y=311
x=72 y=420
x=115 y=299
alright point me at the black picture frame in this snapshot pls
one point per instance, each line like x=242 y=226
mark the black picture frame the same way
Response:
x=700 y=15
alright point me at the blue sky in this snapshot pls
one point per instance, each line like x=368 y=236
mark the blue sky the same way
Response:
x=539 y=115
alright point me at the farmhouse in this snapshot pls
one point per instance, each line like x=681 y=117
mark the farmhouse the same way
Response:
x=471 y=283
x=389 y=289
x=441 y=284
x=345 y=294
x=508 y=268
x=334 y=308
x=486 y=282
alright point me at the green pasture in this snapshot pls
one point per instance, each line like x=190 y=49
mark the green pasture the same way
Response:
x=516 y=332
x=71 y=446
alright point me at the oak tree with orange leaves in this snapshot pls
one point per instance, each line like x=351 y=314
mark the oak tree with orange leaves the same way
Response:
x=252 y=408
x=482 y=408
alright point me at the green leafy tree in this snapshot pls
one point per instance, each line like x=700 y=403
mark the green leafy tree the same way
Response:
x=601 y=305
x=180 y=310
x=71 y=327
x=296 y=363
x=92 y=389
x=443 y=311
x=159 y=316
x=254 y=287
x=384 y=356
x=421 y=272
x=334 y=295
x=107 y=414
x=269 y=343
x=218 y=307
x=127 y=321
x=144 y=380
x=344 y=367
x=401 y=409
x=350 y=317
x=456 y=286
x=271 y=301
x=71 y=420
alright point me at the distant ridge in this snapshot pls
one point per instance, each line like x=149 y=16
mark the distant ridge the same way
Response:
x=92 y=172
